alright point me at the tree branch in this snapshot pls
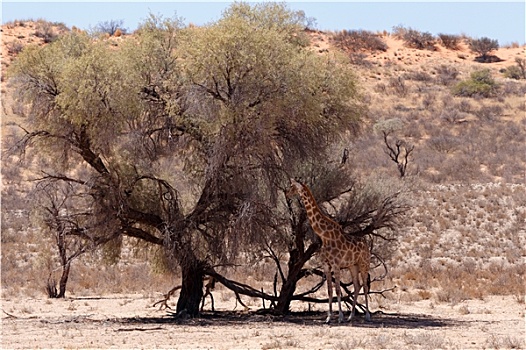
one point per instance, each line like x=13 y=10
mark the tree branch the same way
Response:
x=141 y=234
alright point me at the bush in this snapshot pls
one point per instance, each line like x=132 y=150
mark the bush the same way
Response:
x=418 y=76
x=449 y=41
x=446 y=75
x=415 y=39
x=45 y=30
x=399 y=86
x=357 y=40
x=518 y=71
x=443 y=143
x=480 y=84
x=513 y=72
x=399 y=31
x=14 y=47
x=489 y=113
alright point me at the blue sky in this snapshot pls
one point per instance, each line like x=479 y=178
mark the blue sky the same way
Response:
x=504 y=21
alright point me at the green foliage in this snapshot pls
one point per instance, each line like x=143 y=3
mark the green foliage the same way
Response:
x=272 y=16
x=74 y=83
x=268 y=90
x=481 y=83
x=38 y=74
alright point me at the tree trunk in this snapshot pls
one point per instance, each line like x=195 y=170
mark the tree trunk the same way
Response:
x=298 y=256
x=289 y=285
x=64 y=280
x=193 y=272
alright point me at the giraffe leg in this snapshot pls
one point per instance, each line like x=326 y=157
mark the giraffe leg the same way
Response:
x=328 y=277
x=338 y=294
x=357 y=286
x=366 y=294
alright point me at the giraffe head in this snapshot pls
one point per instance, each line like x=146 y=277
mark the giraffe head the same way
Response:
x=295 y=188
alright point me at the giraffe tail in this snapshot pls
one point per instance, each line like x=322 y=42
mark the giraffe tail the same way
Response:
x=368 y=281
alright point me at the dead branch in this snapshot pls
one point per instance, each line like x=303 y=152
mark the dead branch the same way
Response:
x=399 y=153
x=240 y=288
x=167 y=296
x=209 y=287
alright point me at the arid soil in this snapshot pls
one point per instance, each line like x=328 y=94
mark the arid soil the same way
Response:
x=130 y=321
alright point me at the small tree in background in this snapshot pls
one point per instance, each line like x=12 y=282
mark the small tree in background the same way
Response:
x=484 y=46
x=111 y=27
x=399 y=151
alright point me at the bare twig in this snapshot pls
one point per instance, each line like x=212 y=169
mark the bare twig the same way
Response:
x=167 y=296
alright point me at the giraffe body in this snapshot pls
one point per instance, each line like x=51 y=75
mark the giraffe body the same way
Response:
x=337 y=252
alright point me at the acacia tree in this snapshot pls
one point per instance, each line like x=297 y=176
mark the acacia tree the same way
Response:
x=484 y=46
x=187 y=137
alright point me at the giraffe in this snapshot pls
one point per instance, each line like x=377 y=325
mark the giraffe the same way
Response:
x=337 y=251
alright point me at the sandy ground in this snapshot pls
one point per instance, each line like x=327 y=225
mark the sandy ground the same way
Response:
x=130 y=322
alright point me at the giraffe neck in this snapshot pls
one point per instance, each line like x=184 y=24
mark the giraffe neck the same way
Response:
x=321 y=224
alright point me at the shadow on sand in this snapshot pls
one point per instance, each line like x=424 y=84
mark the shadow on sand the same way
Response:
x=231 y=318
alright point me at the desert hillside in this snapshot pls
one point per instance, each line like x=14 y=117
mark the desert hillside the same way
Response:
x=456 y=274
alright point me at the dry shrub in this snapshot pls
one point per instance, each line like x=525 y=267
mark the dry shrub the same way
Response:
x=443 y=143
x=451 y=294
x=449 y=41
x=452 y=115
x=426 y=341
x=446 y=75
x=46 y=31
x=398 y=86
x=489 y=112
x=504 y=342
x=415 y=39
x=424 y=294
x=420 y=76
x=359 y=40
x=14 y=47
x=359 y=59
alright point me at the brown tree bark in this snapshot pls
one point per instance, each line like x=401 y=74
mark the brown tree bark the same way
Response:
x=193 y=273
x=64 y=280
